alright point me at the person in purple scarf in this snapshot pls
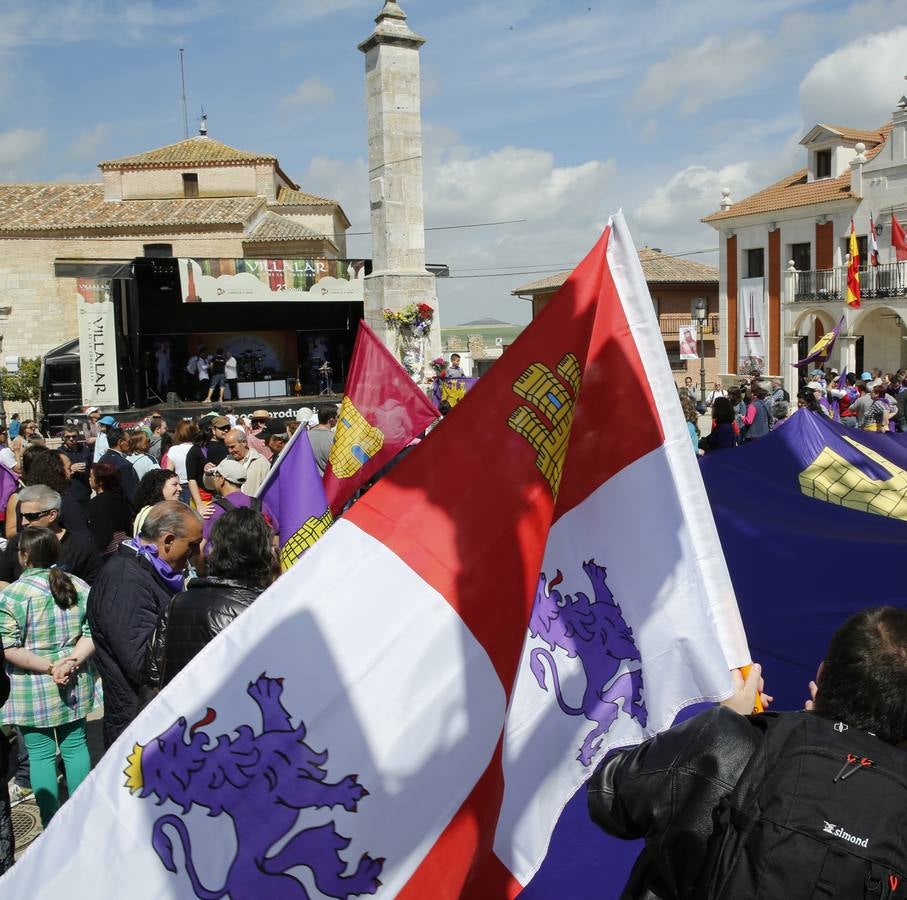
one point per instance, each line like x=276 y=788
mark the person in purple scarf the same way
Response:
x=127 y=599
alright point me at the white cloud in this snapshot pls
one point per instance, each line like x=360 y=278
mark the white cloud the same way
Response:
x=565 y=207
x=312 y=92
x=669 y=216
x=858 y=84
x=715 y=69
x=18 y=148
x=89 y=143
x=50 y=23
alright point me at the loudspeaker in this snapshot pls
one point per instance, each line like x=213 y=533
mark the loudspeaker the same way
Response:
x=173 y=399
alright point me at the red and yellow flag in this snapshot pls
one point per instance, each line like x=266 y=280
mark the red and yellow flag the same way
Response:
x=853 y=271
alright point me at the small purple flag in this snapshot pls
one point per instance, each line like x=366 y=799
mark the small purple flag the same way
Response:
x=295 y=492
x=821 y=350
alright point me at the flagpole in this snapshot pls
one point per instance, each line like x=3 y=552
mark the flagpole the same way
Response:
x=272 y=472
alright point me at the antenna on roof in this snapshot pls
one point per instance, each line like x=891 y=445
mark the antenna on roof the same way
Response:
x=185 y=111
x=203 y=123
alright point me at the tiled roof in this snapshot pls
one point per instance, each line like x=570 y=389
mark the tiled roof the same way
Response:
x=791 y=191
x=794 y=190
x=548 y=283
x=876 y=136
x=294 y=197
x=196 y=151
x=288 y=197
x=661 y=268
x=657 y=267
x=273 y=227
x=62 y=207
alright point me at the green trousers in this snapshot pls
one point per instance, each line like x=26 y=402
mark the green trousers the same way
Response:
x=41 y=744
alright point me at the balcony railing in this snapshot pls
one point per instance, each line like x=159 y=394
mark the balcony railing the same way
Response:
x=828 y=285
x=671 y=323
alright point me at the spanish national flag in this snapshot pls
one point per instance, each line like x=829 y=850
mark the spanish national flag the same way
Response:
x=853 y=271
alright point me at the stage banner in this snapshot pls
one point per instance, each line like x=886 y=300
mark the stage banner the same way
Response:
x=244 y=280
x=97 y=342
x=751 y=326
x=688 y=342
x=453 y=390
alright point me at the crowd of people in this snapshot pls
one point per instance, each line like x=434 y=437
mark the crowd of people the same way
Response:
x=754 y=406
x=124 y=552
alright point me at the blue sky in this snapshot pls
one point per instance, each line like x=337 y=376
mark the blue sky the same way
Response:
x=553 y=111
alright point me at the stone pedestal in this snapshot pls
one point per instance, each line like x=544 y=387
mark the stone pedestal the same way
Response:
x=399 y=277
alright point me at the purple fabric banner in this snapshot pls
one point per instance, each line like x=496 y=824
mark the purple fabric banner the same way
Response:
x=295 y=493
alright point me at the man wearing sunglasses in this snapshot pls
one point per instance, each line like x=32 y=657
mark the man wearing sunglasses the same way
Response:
x=80 y=455
x=39 y=505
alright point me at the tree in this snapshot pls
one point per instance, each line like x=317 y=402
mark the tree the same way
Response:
x=24 y=386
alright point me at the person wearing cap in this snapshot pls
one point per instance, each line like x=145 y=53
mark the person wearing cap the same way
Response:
x=276 y=441
x=102 y=445
x=227 y=479
x=91 y=429
x=260 y=420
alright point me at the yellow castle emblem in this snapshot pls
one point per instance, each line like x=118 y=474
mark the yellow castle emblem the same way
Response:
x=355 y=442
x=835 y=480
x=546 y=419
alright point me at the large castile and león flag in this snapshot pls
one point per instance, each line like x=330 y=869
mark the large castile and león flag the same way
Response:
x=407 y=711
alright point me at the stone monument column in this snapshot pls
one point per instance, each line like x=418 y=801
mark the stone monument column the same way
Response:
x=399 y=276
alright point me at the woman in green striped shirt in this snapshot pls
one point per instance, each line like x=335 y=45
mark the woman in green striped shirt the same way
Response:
x=47 y=641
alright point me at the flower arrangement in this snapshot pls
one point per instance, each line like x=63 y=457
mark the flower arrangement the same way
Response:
x=416 y=318
x=440 y=367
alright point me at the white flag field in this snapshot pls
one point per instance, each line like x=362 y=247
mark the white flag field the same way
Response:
x=407 y=711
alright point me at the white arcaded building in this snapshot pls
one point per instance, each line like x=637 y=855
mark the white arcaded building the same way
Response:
x=794 y=235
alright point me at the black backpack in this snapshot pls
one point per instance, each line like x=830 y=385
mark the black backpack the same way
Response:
x=821 y=813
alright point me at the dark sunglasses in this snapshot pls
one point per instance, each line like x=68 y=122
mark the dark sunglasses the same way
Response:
x=221 y=427
x=33 y=517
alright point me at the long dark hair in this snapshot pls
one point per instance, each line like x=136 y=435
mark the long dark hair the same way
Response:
x=242 y=549
x=723 y=410
x=41 y=549
x=46 y=468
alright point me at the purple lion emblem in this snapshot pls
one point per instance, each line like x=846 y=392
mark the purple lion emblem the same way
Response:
x=261 y=781
x=594 y=630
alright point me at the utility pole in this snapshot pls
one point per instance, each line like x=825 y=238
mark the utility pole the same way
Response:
x=185 y=111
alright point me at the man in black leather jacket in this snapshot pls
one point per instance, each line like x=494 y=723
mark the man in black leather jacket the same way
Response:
x=242 y=563
x=668 y=789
